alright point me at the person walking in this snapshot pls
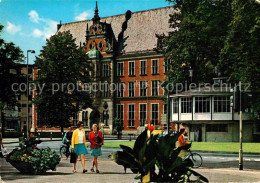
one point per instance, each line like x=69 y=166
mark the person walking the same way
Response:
x=78 y=145
x=96 y=141
x=67 y=140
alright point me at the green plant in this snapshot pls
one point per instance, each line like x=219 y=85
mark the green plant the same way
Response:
x=40 y=160
x=118 y=125
x=43 y=160
x=156 y=159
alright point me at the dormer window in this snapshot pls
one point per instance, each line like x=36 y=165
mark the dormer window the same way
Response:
x=100 y=45
x=90 y=46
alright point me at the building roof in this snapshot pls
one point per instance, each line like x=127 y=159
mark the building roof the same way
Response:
x=141 y=28
x=205 y=91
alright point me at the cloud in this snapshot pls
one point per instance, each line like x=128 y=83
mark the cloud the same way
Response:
x=37 y=33
x=13 y=29
x=34 y=17
x=84 y=15
x=49 y=27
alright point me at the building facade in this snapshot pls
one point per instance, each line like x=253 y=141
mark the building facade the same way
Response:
x=127 y=69
x=15 y=118
x=207 y=115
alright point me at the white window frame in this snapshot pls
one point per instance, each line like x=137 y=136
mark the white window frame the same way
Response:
x=105 y=68
x=153 y=66
x=202 y=104
x=166 y=62
x=118 y=89
x=129 y=88
x=140 y=88
x=187 y=102
x=130 y=74
x=128 y=119
x=122 y=120
x=140 y=112
x=153 y=87
x=220 y=102
x=152 y=113
x=141 y=67
x=118 y=71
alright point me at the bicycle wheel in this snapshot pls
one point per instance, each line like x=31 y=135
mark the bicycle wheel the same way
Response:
x=196 y=159
x=63 y=152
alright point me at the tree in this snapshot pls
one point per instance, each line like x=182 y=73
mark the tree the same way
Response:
x=240 y=55
x=10 y=58
x=199 y=30
x=63 y=67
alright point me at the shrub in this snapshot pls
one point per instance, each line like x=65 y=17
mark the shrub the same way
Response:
x=40 y=160
x=151 y=152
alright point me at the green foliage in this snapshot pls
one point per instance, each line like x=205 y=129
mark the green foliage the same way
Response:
x=10 y=58
x=40 y=160
x=240 y=53
x=197 y=38
x=118 y=125
x=62 y=64
x=43 y=160
x=161 y=152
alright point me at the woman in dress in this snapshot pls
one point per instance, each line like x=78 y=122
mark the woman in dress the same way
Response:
x=96 y=141
x=78 y=145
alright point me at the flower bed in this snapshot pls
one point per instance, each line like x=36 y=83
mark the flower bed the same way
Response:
x=28 y=159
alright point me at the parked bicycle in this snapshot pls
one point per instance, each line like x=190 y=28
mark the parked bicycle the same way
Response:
x=195 y=158
x=64 y=151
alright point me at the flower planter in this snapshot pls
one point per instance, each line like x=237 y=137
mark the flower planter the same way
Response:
x=23 y=167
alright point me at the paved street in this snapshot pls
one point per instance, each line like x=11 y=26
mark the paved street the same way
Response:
x=216 y=167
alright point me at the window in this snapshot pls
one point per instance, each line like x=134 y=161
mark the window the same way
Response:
x=155 y=114
x=105 y=90
x=131 y=89
x=85 y=118
x=186 y=105
x=120 y=69
x=131 y=115
x=155 y=88
x=143 y=67
x=143 y=88
x=175 y=105
x=217 y=128
x=202 y=104
x=120 y=90
x=131 y=67
x=222 y=104
x=120 y=112
x=166 y=65
x=105 y=70
x=142 y=114
x=155 y=67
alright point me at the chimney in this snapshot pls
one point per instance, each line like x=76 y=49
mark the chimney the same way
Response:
x=59 y=26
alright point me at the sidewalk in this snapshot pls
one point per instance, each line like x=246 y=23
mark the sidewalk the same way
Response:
x=111 y=172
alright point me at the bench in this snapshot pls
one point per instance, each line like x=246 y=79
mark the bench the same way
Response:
x=130 y=135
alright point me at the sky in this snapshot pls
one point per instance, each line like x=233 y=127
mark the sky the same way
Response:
x=28 y=23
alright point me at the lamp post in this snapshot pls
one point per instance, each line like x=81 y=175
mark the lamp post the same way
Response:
x=27 y=84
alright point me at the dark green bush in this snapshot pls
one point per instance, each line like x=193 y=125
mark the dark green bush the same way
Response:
x=156 y=159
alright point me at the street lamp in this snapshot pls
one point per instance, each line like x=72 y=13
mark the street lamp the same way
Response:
x=27 y=84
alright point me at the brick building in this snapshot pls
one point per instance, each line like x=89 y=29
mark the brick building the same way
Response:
x=122 y=51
